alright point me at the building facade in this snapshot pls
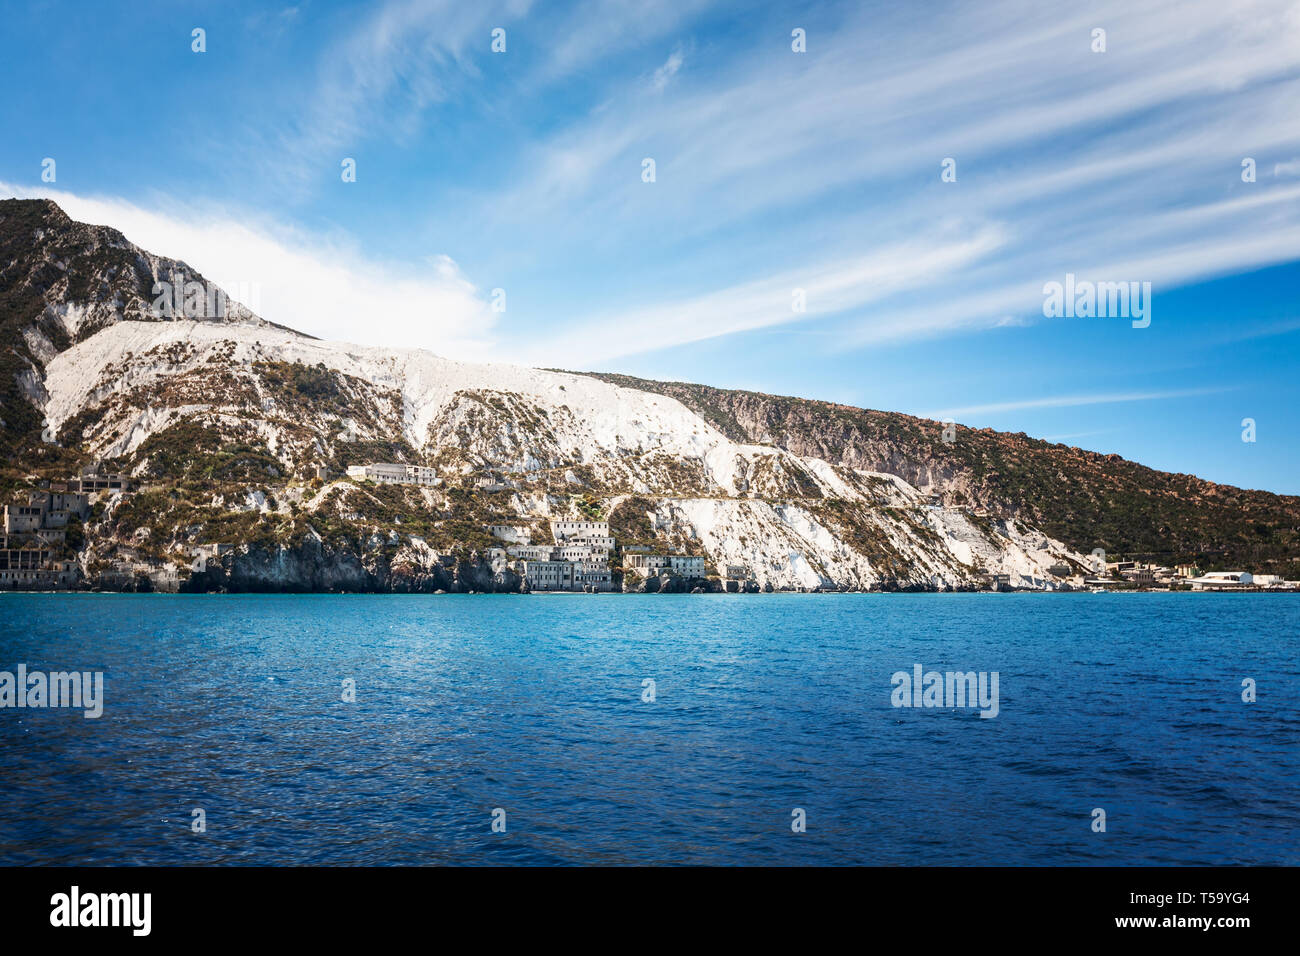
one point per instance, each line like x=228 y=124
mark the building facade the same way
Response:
x=388 y=473
x=562 y=531
x=548 y=575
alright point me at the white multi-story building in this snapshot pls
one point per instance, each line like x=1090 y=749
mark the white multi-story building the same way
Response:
x=562 y=531
x=533 y=552
x=647 y=563
x=549 y=575
x=594 y=576
x=583 y=552
x=681 y=564
x=385 y=473
x=686 y=566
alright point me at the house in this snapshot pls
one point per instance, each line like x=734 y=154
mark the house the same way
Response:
x=203 y=553
x=386 y=473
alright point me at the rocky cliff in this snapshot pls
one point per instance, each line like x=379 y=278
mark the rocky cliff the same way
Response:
x=237 y=433
x=1085 y=499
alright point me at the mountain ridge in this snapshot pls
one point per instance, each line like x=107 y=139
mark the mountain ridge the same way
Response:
x=961 y=458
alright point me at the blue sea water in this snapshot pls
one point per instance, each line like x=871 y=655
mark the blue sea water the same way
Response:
x=763 y=703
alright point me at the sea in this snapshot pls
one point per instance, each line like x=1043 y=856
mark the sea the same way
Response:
x=572 y=729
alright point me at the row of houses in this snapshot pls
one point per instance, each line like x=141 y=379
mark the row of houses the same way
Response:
x=1181 y=575
x=1145 y=575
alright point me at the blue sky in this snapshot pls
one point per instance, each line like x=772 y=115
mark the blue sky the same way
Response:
x=774 y=171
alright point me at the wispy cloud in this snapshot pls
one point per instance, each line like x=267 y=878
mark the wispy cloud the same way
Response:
x=667 y=71
x=817 y=170
x=1071 y=401
x=796 y=295
x=1068 y=151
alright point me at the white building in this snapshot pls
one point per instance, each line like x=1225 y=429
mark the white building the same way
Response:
x=533 y=552
x=647 y=563
x=549 y=575
x=562 y=531
x=594 y=576
x=511 y=534
x=1222 y=581
x=651 y=564
x=583 y=552
x=686 y=566
x=384 y=473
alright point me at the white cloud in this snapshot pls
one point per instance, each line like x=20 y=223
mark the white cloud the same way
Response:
x=829 y=288
x=1070 y=401
x=667 y=71
x=777 y=170
x=325 y=288
x=1126 y=161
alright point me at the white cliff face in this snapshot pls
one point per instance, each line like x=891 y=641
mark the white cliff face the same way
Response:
x=752 y=506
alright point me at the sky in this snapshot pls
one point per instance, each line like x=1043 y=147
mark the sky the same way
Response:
x=874 y=219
